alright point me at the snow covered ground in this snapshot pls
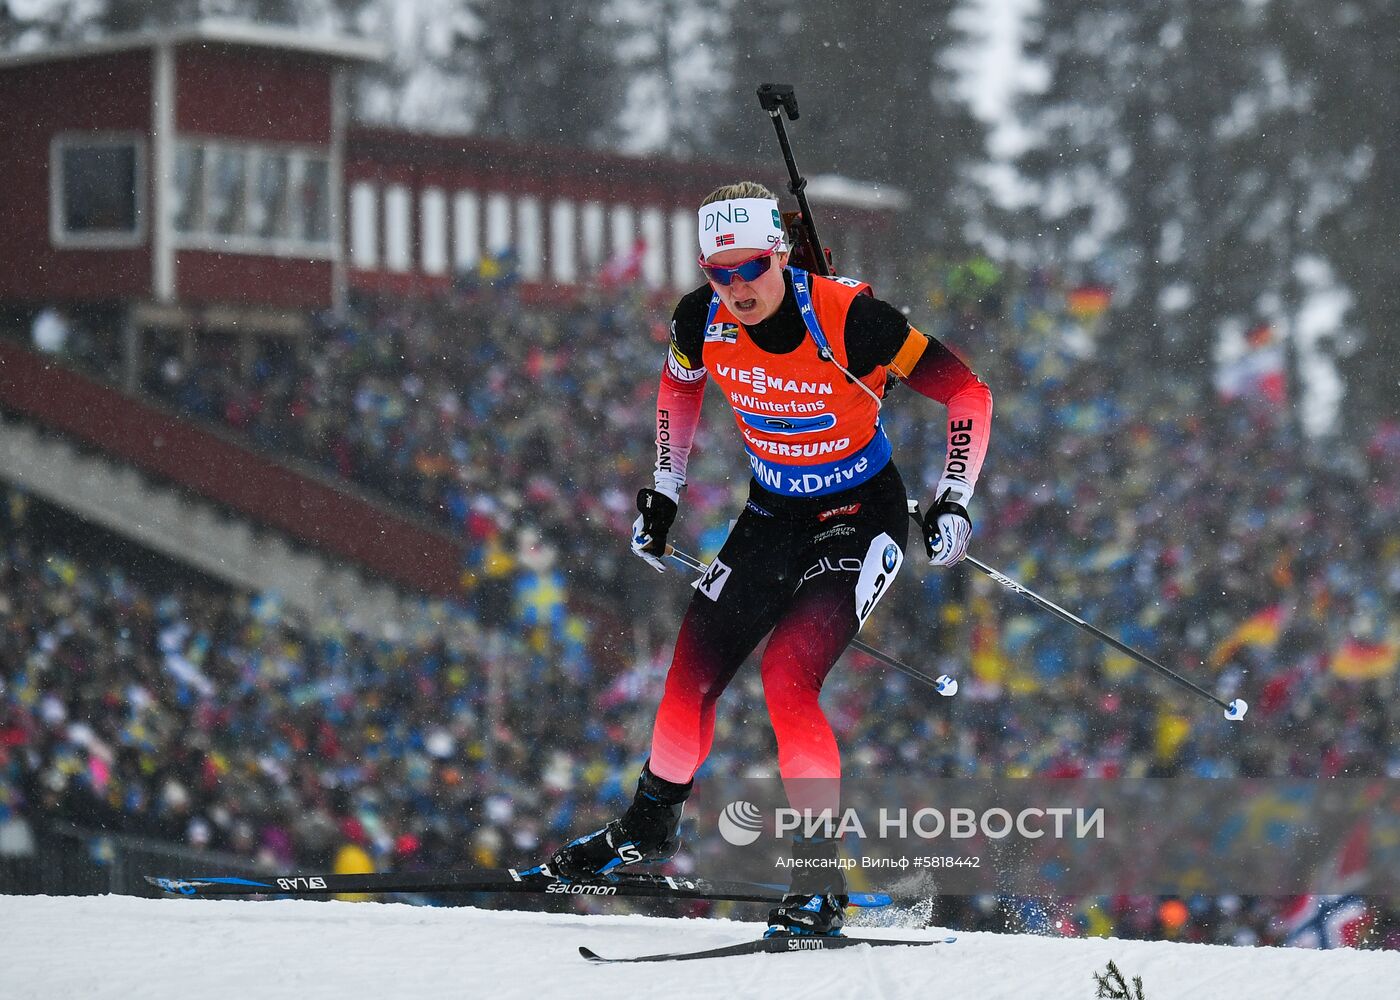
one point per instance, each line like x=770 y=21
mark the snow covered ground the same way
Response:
x=55 y=948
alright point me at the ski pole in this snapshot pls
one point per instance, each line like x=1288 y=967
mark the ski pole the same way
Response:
x=777 y=98
x=1234 y=710
x=943 y=684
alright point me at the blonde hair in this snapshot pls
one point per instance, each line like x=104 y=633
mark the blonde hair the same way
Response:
x=743 y=189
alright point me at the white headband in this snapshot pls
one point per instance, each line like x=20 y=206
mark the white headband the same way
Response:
x=740 y=224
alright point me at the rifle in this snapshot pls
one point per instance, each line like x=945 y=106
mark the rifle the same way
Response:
x=778 y=99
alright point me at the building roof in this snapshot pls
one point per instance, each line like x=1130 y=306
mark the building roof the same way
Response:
x=215 y=31
x=833 y=189
x=398 y=145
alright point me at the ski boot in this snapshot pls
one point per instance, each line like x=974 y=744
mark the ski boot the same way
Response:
x=816 y=902
x=647 y=832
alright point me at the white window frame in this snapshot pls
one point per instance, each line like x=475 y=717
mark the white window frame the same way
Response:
x=622 y=232
x=111 y=240
x=364 y=226
x=652 y=226
x=253 y=198
x=398 y=228
x=243 y=243
x=593 y=235
x=499 y=235
x=563 y=242
x=530 y=242
x=685 y=272
x=212 y=237
x=432 y=229
x=466 y=231
x=202 y=207
x=295 y=177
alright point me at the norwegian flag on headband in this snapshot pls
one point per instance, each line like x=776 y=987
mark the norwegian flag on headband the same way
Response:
x=752 y=223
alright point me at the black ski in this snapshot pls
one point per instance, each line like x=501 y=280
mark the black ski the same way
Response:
x=506 y=880
x=768 y=946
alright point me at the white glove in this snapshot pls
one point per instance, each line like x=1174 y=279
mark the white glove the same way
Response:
x=948 y=527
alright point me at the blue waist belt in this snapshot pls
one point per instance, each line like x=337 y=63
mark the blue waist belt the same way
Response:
x=829 y=477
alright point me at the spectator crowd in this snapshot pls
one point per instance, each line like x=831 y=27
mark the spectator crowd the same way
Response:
x=1208 y=533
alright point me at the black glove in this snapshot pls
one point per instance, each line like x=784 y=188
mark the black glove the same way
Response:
x=947 y=529
x=650 y=529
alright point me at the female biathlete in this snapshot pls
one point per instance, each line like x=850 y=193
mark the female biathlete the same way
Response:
x=802 y=360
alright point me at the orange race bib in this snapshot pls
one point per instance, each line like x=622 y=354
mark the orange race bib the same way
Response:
x=808 y=430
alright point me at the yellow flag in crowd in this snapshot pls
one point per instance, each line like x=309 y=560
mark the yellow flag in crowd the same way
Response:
x=1172 y=731
x=1260 y=629
x=988 y=665
x=352 y=859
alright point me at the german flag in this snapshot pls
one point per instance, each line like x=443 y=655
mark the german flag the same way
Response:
x=1260 y=629
x=1360 y=660
x=1088 y=301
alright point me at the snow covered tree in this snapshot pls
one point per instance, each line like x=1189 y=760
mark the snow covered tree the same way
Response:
x=547 y=71
x=1145 y=162
x=1346 y=58
x=877 y=98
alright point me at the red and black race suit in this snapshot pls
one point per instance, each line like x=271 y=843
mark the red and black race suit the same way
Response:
x=811 y=570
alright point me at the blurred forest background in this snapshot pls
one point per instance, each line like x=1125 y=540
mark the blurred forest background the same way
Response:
x=1222 y=165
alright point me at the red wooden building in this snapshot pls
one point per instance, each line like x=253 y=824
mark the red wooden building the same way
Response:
x=212 y=166
x=200 y=165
